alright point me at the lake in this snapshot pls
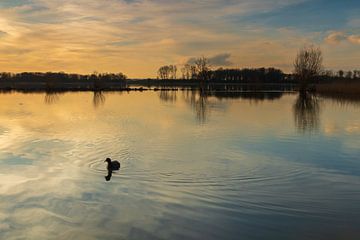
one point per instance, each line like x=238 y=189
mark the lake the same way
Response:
x=263 y=165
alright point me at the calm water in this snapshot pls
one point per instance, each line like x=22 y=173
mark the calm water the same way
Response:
x=255 y=166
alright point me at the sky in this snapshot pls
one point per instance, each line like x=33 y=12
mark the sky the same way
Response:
x=136 y=37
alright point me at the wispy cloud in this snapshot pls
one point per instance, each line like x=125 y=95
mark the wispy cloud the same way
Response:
x=138 y=36
x=337 y=37
x=2 y=33
x=354 y=39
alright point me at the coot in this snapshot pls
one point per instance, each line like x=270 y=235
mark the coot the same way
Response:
x=112 y=165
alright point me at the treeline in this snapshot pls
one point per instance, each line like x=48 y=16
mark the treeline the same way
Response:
x=190 y=72
x=330 y=74
x=249 y=75
x=202 y=70
x=36 y=81
x=61 y=76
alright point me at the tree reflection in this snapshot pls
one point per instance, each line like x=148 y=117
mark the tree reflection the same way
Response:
x=98 y=99
x=306 y=112
x=168 y=95
x=203 y=100
x=52 y=97
x=198 y=101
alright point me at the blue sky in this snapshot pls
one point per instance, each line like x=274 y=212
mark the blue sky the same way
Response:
x=318 y=15
x=136 y=37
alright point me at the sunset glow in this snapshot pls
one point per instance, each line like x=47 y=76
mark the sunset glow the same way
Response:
x=138 y=36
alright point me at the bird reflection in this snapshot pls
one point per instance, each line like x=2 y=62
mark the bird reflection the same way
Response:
x=111 y=166
x=98 y=99
x=306 y=112
x=108 y=177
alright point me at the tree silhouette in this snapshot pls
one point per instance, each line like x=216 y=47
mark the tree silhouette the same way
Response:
x=307 y=65
x=202 y=68
x=167 y=72
x=341 y=73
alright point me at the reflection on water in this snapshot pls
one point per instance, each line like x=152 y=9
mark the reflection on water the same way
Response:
x=247 y=171
x=111 y=167
x=202 y=101
x=52 y=97
x=167 y=95
x=306 y=112
x=109 y=175
x=198 y=100
x=98 y=99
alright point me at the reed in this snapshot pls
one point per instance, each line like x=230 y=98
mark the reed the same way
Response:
x=347 y=88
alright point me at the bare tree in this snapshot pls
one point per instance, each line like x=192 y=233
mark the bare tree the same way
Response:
x=202 y=67
x=186 y=71
x=173 y=71
x=167 y=72
x=164 y=72
x=308 y=64
x=193 y=72
x=183 y=72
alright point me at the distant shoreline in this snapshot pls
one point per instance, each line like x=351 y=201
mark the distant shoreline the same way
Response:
x=338 y=87
x=139 y=85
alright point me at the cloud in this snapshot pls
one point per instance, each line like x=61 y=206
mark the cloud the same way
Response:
x=219 y=60
x=354 y=39
x=337 y=37
x=2 y=33
x=138 y=36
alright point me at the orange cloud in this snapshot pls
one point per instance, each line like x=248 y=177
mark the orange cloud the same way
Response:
x=335 y=37
x=137 y=37
x=354 y=39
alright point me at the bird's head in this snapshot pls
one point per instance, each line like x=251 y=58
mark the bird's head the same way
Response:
x=107 y=160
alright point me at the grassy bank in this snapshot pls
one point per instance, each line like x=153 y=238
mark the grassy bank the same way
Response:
x=347 y=90
x=348 y=87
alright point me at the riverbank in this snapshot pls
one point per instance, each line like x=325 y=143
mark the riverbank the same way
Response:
x=139 y=85
x=349 y=90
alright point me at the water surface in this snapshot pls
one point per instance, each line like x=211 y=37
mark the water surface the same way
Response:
x=194 y=166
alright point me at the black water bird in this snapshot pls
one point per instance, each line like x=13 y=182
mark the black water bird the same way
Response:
x=112 y=165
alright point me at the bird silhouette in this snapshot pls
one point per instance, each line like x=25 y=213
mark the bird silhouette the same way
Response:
x=111 y=166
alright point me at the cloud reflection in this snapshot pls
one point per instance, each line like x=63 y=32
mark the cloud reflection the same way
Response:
x=55 y=190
